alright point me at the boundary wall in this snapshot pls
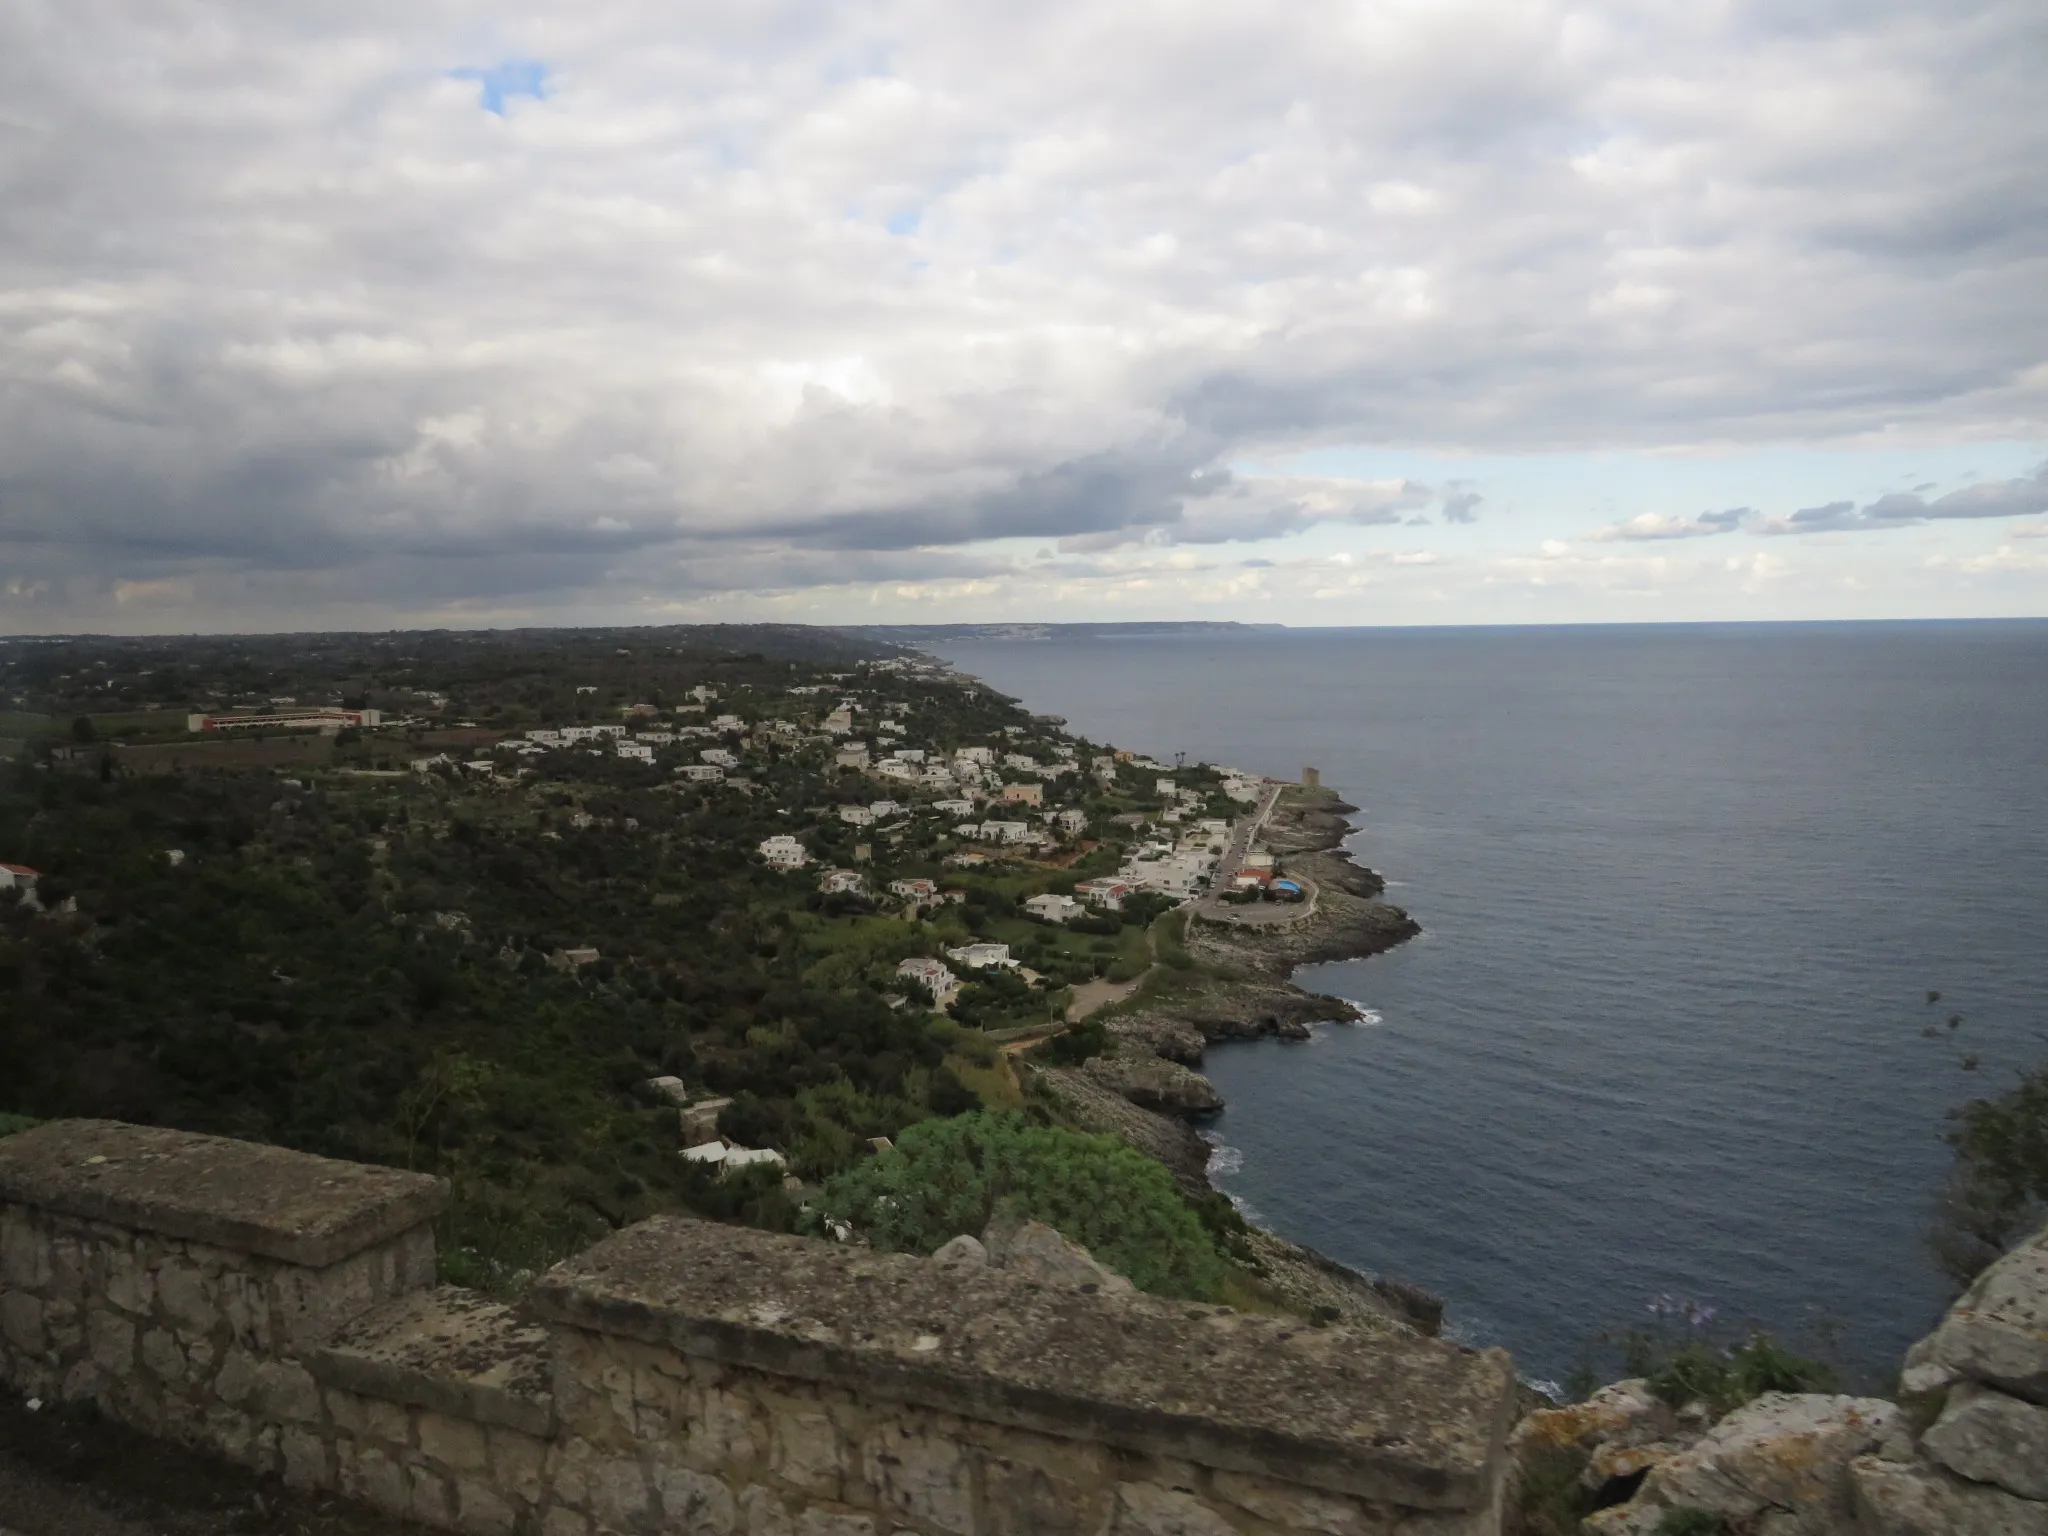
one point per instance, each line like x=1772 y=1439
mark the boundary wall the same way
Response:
x=281 y=1310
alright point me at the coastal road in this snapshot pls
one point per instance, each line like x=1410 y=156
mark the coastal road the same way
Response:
x=1210 y=904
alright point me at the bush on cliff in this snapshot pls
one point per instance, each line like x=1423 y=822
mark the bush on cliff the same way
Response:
x=1997 y=1192
x=945 y=1177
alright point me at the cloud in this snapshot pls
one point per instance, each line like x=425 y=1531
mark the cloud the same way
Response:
x=1650 y=527
x=1462 y=507
x=2022 y=497
x=311 y=303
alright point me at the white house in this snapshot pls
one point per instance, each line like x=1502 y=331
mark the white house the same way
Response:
x=840 y=722
x=908 y=754
x=1020 y=762
x=1165 y=787
x=933 y=976
x=635 y=749
x=545 y=738
x=1104 y=891
x=1005 y=832
x=837 y=881
x=917 y=889
x=853 y=755
x=884 y=809
x=728 y=723
x=981 y=954
x=719 y=757
x=856 y=815
x=702 y=773
x=893 y=727
x=954 y=807
x=655 y=738
x=980 y=756
x=900 y=772
x=784 y=852
x=1072 y=821
x=703 y=693
x=1054 y=909
x=19 y=877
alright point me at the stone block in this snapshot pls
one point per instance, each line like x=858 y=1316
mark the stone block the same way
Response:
x=286 y=1393
x=112 y=1341
x=1914 y=1499
x=619 y=1494
x=762 y=1513
x=236 y=1195
x=24 y=1252
x=128 y=1282
x=518 y=1463
x=21 y=1321
x=237 y=1377
x=481 y=1509
x=564 y=1522
x=924 y=1476
x=1147 y=1509
x=695 y=1503
x=165 y=1358
x=183 y=1292
x=1991 y=1438
x=456 y=1444
x=806 y=1452
x=828 y=1522
x=432 y=1496
x=451 y=1350
x=308 y=1459
x=378 y=1479
x=730 y=1433
x=1293 y=1508
x=1023 y=1499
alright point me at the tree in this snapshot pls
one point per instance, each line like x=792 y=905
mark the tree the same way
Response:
x=1997 y=1190
x=82 y=729
x=949 y=1176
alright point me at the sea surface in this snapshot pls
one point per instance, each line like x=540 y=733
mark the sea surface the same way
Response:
x=1684 y=891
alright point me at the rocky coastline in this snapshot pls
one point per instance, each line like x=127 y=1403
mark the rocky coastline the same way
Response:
x=1237 y=984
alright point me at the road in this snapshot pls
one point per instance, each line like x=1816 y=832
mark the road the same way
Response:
x=1210 y=904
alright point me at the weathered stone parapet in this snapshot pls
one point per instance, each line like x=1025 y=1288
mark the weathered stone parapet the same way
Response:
x=688 y=1377
x=802 y=1369
x=238 y=1196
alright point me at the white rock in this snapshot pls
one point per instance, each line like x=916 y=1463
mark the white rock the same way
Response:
x=1783 y=1458
x=962 y=1252
x=1997 y=1333
x=1038 y=1252
x=1991 y=1438
x=1914 y=1499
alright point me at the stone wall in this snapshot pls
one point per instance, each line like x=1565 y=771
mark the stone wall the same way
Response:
x=684 y=1376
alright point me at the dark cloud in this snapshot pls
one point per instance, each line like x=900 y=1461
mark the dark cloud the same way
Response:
x=1462 y=507
x=2022 y=497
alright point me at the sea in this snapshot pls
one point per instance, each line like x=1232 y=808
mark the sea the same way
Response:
x=1685 y=892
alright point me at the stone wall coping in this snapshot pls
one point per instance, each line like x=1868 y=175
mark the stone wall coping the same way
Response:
x=455 y=1351
x=237 y=1195
x=1411 y=1421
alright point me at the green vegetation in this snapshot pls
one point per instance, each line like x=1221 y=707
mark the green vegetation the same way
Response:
x=427 y=943
x=1690 y=1522
x=9 y=1124
x=1997 y=1190
x=945 y=1177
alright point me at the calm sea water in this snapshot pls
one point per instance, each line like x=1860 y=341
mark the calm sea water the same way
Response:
x=1684 y=890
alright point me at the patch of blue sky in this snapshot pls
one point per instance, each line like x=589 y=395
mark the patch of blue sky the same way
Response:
x=501 y=82
x=904 y=221
x=1575 y=492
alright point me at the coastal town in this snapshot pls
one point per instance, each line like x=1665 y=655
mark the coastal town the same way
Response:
x=605 y=922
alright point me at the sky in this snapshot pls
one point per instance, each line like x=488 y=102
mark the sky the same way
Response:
x=1413 y=311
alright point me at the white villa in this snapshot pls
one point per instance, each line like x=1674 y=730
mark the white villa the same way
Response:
x=784 y=852
x=1054 y=909
x=981 y=954
x=933 y=976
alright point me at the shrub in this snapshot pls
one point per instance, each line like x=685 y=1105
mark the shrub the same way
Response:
x=944 y=1177
x=1071 y=1047
x=1998 y=1189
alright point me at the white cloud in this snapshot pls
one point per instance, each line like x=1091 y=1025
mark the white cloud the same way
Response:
x=778 y=296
